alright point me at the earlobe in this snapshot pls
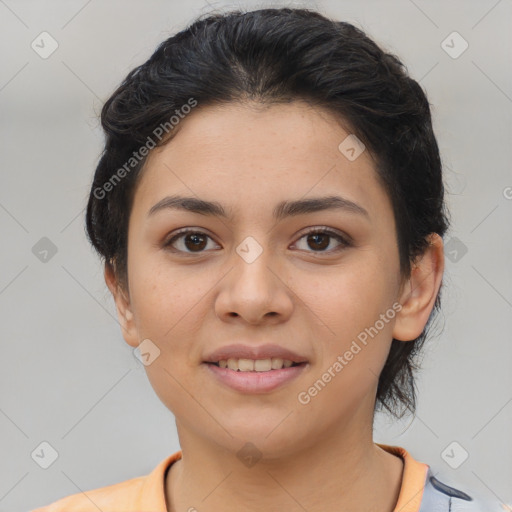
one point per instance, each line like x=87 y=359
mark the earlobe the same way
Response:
x=123 y=306
x=420 y=291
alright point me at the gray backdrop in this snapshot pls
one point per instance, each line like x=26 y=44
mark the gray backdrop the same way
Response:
x=68 y=379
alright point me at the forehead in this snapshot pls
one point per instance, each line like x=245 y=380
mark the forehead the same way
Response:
x=249 y=156
x=292 y=130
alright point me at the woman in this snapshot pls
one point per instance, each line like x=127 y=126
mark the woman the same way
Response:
x=269 y=206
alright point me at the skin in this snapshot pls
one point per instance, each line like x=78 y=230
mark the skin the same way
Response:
x=319 y=456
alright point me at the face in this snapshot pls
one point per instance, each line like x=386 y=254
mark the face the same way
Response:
x=254 y=278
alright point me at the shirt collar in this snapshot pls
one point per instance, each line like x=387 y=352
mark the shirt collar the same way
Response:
x=413 y=480
x=152 y=496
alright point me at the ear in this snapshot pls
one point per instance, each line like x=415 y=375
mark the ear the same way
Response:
x=123 y=306
x=418 y=294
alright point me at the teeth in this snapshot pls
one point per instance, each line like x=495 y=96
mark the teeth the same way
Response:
x=277 y=363
x=258 y=365
x=263 y=365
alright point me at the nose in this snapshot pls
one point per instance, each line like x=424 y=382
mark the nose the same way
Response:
x=255 y=291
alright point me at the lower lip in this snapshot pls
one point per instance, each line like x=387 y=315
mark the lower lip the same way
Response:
x=256 y=382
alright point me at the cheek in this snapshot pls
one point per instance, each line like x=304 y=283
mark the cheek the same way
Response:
x=167 y=309
x=164 y=300
x=349 y=301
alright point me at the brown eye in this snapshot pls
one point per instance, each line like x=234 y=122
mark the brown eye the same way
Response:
x=188 y=241
x=319 y=240
x=195 y=241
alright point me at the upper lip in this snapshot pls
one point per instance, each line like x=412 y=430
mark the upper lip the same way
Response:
x=238 y=351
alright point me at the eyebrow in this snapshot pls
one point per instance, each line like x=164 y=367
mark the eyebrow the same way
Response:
x=282 y=210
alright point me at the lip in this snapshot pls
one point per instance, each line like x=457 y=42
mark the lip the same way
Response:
x=239 y=351
x=255 y=382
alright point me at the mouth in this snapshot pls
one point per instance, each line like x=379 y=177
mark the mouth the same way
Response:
x=254 y=369
x=251 y=377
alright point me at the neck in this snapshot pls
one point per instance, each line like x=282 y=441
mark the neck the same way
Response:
x=334 y=472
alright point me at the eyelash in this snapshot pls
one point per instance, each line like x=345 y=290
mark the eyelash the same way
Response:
x=344 y=242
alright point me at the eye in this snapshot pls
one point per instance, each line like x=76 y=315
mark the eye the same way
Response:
x=190 y=241
x=319 y=239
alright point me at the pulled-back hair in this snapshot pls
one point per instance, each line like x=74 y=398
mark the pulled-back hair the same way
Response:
x=271 y=56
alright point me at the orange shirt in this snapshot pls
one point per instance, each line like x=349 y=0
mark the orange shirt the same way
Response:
x=146 y=493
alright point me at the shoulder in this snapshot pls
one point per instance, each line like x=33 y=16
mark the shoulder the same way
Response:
x=427 y=489
x=439 y=496
x=111 y=497
x=143 y=493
